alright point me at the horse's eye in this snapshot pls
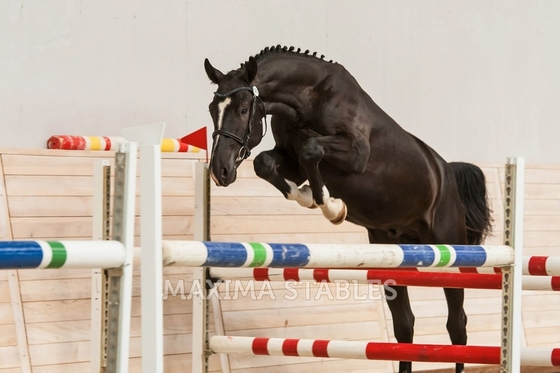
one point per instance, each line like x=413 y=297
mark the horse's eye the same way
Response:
x=244 y=111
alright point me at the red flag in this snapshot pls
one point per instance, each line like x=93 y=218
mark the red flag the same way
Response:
x=197 y=138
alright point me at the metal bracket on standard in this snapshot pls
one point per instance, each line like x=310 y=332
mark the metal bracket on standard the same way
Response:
x=119 y=282
x=510 y=357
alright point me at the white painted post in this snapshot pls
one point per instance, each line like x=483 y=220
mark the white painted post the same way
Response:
x=149 y=139
x=152 y=268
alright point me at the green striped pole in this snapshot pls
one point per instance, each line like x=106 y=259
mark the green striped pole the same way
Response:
x=61 y=254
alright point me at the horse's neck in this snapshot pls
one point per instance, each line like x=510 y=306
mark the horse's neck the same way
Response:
x=283 y=89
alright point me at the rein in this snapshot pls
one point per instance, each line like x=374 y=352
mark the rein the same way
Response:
x=244 y=151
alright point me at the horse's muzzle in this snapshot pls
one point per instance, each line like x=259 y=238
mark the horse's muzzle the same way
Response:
x=223 y=176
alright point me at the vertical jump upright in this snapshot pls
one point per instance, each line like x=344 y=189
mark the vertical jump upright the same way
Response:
x=510 y=348
x=512 y=277
x=120 y=279
x=149 y=139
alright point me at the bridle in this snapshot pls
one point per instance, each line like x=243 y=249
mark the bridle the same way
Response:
x=244 y=151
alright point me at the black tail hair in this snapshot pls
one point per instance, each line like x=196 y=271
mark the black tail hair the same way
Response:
x=472 y=191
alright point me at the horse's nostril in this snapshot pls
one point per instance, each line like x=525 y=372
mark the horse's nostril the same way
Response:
x=224 y=176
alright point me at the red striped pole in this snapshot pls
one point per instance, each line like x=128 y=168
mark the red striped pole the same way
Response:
x=392 y=277
x=378 y=350
x=356 y=350
x=532 y=266
x=382 y=276
x=541 y=265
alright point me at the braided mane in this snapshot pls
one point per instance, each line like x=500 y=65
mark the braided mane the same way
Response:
x=274 y=50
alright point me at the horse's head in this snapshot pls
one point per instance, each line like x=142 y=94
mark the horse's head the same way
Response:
x=237 y=112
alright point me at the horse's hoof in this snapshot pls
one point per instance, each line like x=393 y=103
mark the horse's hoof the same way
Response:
x=341 y=215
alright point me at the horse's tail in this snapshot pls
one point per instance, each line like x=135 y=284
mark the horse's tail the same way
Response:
x=471 y=184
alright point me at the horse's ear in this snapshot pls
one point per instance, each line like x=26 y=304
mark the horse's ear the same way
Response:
x=214 y=74
x=251 y=69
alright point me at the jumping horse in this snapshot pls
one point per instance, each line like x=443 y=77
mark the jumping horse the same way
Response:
x=360 y=165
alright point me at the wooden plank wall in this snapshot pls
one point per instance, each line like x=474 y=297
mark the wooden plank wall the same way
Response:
x=10 y=307
x=49 y=195
x=253 y=210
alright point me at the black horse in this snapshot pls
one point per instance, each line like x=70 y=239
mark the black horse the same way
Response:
x=360 y=164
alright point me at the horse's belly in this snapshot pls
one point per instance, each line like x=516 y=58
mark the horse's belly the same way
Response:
x=374 y=204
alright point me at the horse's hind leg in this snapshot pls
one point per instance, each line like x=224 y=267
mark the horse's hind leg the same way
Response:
x=268 y=165
x=398 y=302
x=403 y=319
x=450 y=228
x=456 y=320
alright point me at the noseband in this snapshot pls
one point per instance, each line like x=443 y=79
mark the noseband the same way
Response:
x=244 y=151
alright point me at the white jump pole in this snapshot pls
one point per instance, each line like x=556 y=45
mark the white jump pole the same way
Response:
x=300 y=255
x=149 y=139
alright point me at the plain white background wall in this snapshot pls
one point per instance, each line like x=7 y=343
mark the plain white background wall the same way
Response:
x=477 y=80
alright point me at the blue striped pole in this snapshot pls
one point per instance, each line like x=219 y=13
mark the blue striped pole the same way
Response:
x=61 y=254
x=290 y=255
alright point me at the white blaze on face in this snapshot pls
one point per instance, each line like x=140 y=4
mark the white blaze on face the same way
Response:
x=221 y=110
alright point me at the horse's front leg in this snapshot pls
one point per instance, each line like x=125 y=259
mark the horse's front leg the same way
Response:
x=283 y=172
x=344 y=153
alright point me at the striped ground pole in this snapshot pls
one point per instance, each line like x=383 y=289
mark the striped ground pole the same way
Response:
x=290 y=255
x=61 y=254
x=385 y=277
x=377 y=350
x=176 y=145
x=71 y=142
